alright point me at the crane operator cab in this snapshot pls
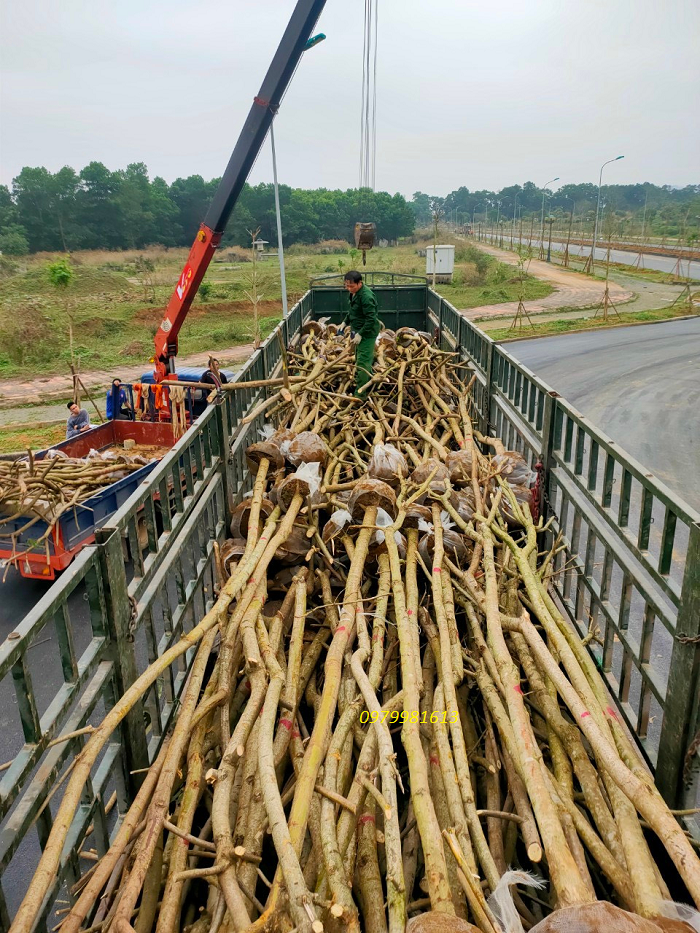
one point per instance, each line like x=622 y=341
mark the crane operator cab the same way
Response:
x=364 y=238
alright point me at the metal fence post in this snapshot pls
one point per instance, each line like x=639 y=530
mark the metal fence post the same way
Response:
x=486 y=414
x=116 y=590
x=546 y=450
x=680 y=723
x=223 y=441
x=440 y=309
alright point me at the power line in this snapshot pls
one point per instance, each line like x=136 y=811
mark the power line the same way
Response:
x=368 y=109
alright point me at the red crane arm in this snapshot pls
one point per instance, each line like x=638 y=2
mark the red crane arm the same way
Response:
x=166 y=342
x=252 y=136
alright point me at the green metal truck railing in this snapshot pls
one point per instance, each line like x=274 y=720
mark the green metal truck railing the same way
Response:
x=630 y=571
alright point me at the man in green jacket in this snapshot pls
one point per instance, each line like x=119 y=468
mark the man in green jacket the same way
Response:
x=363 y=319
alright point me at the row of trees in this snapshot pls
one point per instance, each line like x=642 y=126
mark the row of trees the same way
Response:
x=100 y=209
x=661 y=210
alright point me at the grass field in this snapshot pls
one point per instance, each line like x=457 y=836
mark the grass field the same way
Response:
x=31 y=437
x=116 y=306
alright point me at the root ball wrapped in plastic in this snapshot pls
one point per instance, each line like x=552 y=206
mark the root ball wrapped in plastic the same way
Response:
x=434 y=470
x=264 y=450
x=377 y=543
x=368 y=492
x=523 y=496
x=241 y=514
x=314 y=329
x=305 y=481
x=464 y=504
x=415 y=514
x=231 y=552
x=459 y=465
x=306 y=447
x=335 y=525
x=294 y=548
x=513 y=467
x=453 y=543
x=387 y=464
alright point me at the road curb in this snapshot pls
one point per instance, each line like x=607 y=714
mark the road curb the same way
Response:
x=588 y=330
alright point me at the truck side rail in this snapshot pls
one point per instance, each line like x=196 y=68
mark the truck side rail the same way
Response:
x=629 y=579
x=629 y=574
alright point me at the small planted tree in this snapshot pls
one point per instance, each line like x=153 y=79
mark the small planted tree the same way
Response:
x=61 y=275
x=146 y=269
x=252 y=291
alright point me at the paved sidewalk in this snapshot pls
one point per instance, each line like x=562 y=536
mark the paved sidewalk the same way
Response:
x=571 y=289
x=15 y=392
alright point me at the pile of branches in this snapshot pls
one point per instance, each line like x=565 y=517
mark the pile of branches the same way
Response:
x=41 y=491
x=387 y=720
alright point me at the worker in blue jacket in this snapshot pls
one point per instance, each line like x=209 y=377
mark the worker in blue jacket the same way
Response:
x=363 y=319
x=117 y=405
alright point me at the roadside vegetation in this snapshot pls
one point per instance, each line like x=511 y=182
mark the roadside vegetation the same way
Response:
x=550 y=328
x=30 y=437
x=115 y=301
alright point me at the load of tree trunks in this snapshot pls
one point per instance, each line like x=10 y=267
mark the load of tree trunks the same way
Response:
x=388 y=720
x=42 y=490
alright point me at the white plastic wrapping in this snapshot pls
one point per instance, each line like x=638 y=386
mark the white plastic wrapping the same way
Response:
x=682 y=912
x=387 y=463
x=311 y=474
x=501 y=901
x=445 y=521
x=383 y=520
x=513 y=468
x=340 y=518
x=266 y=431
x=284 y=448
x=335 y=524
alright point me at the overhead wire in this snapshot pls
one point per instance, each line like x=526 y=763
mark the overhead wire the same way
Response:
x=368 y=109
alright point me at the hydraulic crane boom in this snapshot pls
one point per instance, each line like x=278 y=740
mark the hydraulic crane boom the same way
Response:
x=250 y=141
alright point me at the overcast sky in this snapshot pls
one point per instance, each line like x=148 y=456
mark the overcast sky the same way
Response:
x=482 y=93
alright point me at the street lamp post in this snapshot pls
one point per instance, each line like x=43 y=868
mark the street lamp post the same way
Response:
x=280 y=247
x=310 y=43
x=550 y=221
x=544 y=190
x=597 y=211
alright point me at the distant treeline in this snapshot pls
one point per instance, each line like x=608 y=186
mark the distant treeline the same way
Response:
x=100 y=209
x=662 y=211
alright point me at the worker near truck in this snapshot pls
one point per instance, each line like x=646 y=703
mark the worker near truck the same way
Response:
x=212 y=376
x=78 y=421
x=117 y=405
x=363 y=320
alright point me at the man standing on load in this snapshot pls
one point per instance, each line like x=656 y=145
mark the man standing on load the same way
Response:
x=363 y=319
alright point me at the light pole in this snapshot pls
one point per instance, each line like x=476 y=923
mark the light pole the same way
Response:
x=498 y=216
x=515 y=211
x=310 y=43
x=544 y=190
x=597 y=211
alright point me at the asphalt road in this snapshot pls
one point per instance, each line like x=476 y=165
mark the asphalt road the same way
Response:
x=626 y=257
x=640 y=385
